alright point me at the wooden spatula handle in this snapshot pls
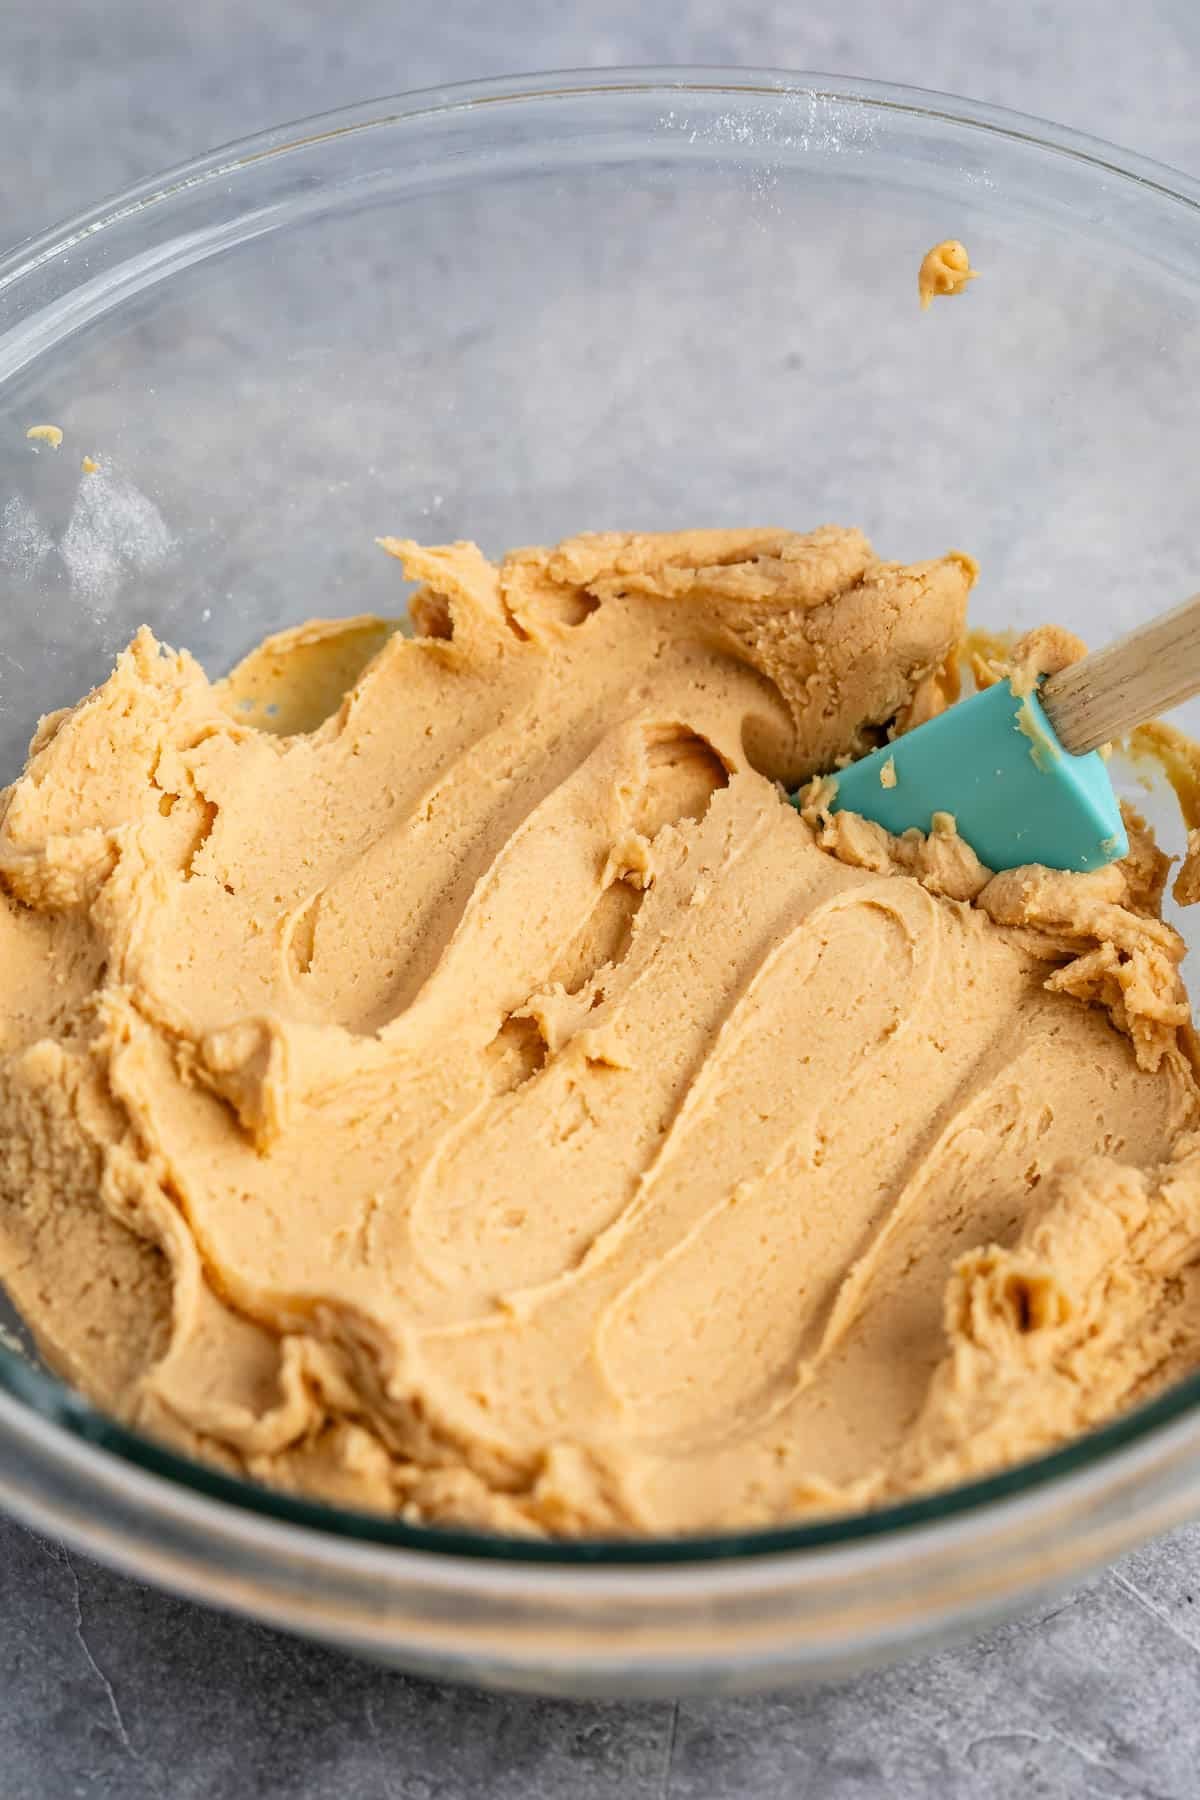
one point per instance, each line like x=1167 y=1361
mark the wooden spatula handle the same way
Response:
x=1108 y=693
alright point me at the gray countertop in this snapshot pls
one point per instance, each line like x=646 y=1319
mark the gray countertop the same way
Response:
x=108 y=1688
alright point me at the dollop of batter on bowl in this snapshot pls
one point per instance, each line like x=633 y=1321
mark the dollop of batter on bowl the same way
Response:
x=447 y=1074
x=945 y=270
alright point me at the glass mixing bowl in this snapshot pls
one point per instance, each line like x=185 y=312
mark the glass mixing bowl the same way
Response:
x=512 y=311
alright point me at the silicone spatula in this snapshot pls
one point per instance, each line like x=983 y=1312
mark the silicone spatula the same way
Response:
x=1022 y=774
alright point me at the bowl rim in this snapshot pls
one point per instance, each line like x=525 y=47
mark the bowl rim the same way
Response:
x=56 y=1425
x=237 y=154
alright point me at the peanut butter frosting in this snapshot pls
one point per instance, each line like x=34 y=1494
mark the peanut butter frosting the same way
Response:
x=946 y=269
x=446 y=1074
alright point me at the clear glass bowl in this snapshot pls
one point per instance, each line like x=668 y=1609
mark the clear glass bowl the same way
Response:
x=512 y=311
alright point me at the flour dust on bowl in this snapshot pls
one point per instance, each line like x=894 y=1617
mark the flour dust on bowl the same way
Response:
x=633 y=302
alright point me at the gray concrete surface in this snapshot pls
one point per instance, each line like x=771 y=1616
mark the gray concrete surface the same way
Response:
x=109 y=1689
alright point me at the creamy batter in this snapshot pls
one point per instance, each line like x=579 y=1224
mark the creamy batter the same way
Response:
x=945 y=270
x=447 y=1075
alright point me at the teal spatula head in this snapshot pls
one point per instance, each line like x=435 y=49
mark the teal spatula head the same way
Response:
x=994 y=762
